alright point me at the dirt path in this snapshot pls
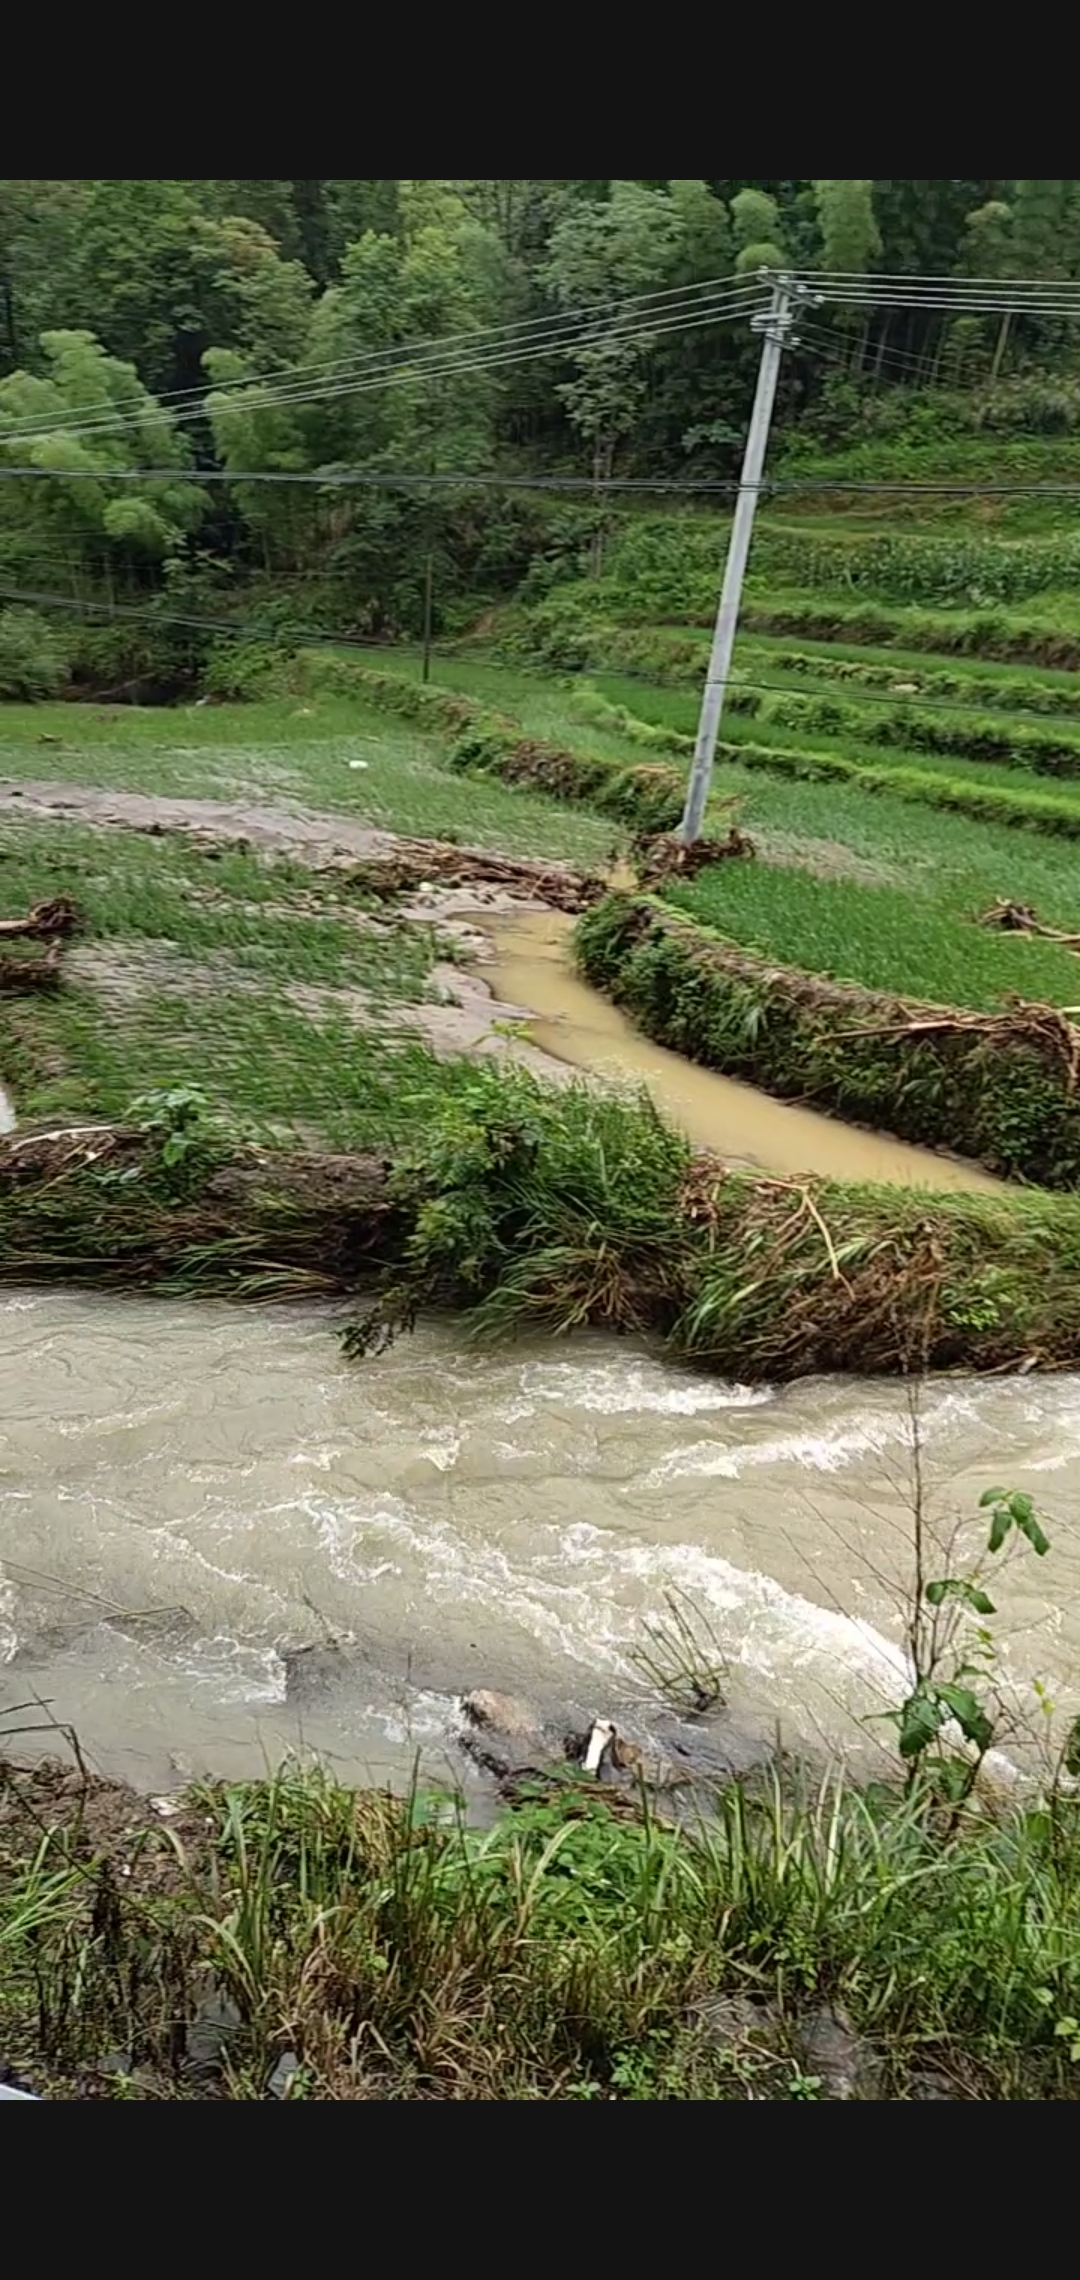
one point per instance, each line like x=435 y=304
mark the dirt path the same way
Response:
x=465 y=886
x=279 y=831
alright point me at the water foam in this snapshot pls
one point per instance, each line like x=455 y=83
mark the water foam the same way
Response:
x=618 y=1388
x=829 y=1450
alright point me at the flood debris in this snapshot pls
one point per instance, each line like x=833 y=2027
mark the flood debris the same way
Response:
x=54 y=922
x=19 y=974
x=1022 y=918
x=660 y=856
x=528 y=1756
x=45 y=922
x=420 y=865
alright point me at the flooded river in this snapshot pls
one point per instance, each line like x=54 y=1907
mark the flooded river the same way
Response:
x=188 y=1492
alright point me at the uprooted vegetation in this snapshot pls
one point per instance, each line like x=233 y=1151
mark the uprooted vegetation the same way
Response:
x=51 y=922
x=241 y=946
x=529 y=1210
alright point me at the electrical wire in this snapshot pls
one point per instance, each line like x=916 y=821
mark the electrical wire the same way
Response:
x=721 y=309
x=241 y=632
x=901 y=359
x=642 y=485
x=544 y=336
x=374 y=358
x=252 y=631
x=921 y=277
x=1001 y=302
x=436 y=343
x=878 y=283
x=851 y=693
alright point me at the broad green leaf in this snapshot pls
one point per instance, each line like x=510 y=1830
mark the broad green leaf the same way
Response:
x=1028 y=1525
x=1000 y=1526
x=921 y=1717
x=956 y=1587
x=969 y=1714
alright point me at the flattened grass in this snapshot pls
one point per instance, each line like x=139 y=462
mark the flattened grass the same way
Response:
x=182 y=976
x=297 y=751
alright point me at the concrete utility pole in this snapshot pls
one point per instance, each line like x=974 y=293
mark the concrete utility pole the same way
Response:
x=775 y=325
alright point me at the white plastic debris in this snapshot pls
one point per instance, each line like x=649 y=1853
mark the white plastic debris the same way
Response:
x=358 y=763
x=5 y=2092
x=601 y=1738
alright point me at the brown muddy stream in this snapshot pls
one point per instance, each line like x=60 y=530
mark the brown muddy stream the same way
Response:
x=531 y=966
x=189 y=1492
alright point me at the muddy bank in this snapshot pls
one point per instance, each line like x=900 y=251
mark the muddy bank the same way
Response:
x=531 y=959
x=469 y=1973
x=508 y=916
x=1008 y=1082
x=384 y=862
x=756 y=1277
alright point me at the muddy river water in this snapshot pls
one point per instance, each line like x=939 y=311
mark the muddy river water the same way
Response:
x=531 y=965
x=188 y=1493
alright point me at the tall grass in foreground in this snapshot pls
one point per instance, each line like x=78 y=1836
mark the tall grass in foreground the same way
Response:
x=564 y=1953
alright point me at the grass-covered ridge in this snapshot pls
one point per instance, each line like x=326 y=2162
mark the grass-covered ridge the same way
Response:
x=1003 y=1087
x=525 y=1208
x=918 y=943
x=573 y=625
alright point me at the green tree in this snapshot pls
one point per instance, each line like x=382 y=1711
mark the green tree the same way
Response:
x=157 y=273
x=755 y=218
x=850 y=237
x=263 y=303
x=88 y=419
x=438 y=275
x=600 y=253
x=989 y=250
x=850 y=243
x=1043 y=239
x=252 y=431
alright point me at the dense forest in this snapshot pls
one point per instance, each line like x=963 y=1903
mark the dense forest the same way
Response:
x=168 y=348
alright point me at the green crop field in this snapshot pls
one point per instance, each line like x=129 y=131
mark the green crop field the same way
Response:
x=880 y=936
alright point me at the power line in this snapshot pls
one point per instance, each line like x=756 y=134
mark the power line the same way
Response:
x=723 y=307
x=248 y=632
x=959 y=302
x=476 y=336
x=827 y=344
x=856 y=693
x=880 y=285
x=423 y=479
x=301 y=636
x=920 y=277
x=436 y=358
